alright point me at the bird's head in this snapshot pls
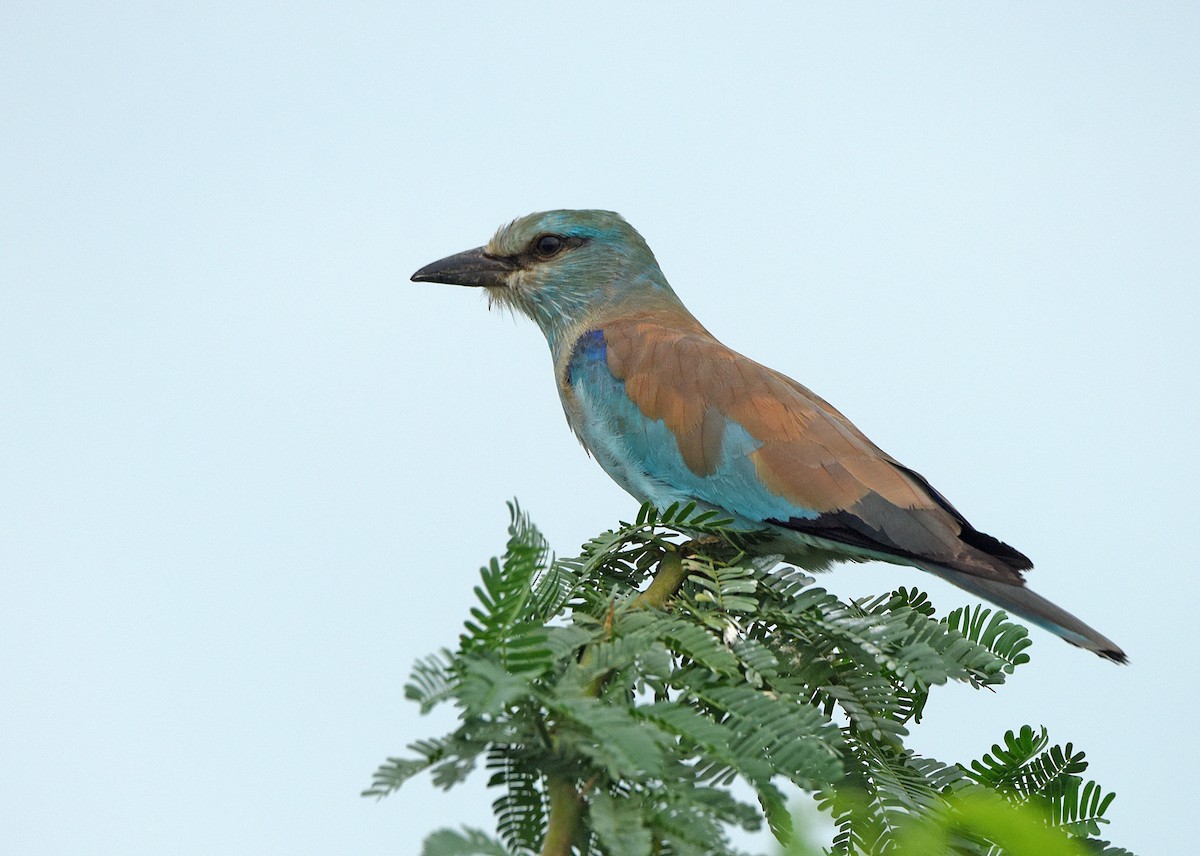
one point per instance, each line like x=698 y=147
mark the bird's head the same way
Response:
x=559 y=267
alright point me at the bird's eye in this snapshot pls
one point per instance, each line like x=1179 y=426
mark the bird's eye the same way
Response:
x=548 y=245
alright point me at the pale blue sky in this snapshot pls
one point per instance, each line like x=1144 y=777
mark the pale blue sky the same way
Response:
x=230 y=423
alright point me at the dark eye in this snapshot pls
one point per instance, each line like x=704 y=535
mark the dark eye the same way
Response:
x=548 y=245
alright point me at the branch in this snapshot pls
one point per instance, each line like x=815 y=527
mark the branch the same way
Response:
x=666 y=582
x=566 y=809
x=566 y=804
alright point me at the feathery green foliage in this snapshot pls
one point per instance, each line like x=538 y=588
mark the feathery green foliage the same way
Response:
x=614 y=718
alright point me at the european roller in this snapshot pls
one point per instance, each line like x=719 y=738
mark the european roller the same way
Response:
x=674 y=416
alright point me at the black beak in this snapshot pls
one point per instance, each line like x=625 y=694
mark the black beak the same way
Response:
x=474 y=267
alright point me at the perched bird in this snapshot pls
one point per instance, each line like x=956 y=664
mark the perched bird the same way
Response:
x=673 y=416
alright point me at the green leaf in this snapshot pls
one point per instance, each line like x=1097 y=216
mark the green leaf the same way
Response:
x=608 y=735
x=432 y=680
x=619 y=825
x=505 y=622
x=794 y=738
x=469 y=842
x=1007 y=766
x=729 y=589
x=487 y=689
x=992 y=631
x=521 y=809
x=643 y=718
x=396 y=771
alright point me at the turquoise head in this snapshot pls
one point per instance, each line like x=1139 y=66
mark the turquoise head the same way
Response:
x=561 y=268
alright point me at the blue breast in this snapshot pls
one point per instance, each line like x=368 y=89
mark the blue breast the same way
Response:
x=590 y=350
x=642 y=455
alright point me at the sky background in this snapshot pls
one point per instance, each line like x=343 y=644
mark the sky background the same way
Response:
x=248 y=471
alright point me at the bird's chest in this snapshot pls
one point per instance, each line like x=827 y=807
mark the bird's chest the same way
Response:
x=635 y=451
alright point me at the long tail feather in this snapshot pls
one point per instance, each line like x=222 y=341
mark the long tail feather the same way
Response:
x=1027 y=604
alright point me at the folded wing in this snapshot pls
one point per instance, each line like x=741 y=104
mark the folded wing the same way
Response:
x=842 y=487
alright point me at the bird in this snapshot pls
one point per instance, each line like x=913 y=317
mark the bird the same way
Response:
x=675 y=416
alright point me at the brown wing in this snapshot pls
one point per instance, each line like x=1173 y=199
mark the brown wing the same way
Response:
x=810 y=454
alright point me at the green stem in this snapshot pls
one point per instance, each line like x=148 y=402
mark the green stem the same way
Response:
x=566 y=809
x=666 y=582
x=566 y=803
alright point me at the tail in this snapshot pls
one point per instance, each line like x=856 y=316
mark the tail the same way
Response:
x=1032 y=606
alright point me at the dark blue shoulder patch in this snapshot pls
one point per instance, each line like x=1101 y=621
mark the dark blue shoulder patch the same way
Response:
x=589 y=348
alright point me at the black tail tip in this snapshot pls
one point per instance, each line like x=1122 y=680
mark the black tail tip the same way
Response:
x=1116 y=655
